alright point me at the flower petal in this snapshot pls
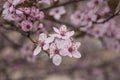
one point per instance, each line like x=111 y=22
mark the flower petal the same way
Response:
x=63 y=52
x=49 y=39
x=76 y=54
x=56 y=30
x=57 y=60
x=77 y=45
x=46 y=46
x=37 y=51
x=63 y=28
x=42 y=37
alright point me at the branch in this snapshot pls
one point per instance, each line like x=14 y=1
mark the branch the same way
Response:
x=60 y=22
x=15 y=45
x=109 y=18
x=63 y=4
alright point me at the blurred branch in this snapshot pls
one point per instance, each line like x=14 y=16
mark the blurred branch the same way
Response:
x=62 y=4
x=9 y=40
x=109 y=18
x=60 y=22
x=17 y=29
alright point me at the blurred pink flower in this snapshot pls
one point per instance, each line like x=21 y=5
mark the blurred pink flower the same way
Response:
x=36 y=13
x=89 y=18
x=112 y=43
x=94 y=3
x=57 y=12
x=26 y=25
x=98 y=30
x=77 y=17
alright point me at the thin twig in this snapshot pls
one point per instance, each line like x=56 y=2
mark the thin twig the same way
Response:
x=109 y=18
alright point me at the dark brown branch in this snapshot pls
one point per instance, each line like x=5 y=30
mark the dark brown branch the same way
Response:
x=109 y=18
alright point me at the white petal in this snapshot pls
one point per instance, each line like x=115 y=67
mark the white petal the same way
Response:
x=49 y=40
x=57 y=16
x=69 y=34
x=77 y=45
x=63 y=28
x=37 y=51
x=46 y=46
x=15 y=2
x=56 y=30
x=63 y=53
x=76 y=54
x=42 y=36
x=57 y=60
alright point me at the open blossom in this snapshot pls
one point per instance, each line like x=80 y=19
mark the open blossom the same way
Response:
x=57 y=12
x=26 y=25
x=63 y=32
x=112 y=43
x=26 y=52
x=77 y=17
x=94 y=3
x=43 y=43
x=58 y=45
x=89 y=18
x=98 y=30
x=71 y=49
x=36 y=13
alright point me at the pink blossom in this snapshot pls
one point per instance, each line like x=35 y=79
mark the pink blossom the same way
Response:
x=36 y=13
x=43 y=43
x=26 y=52
x=94 y=3
x=57 y=12
x=8 y=4
x=7 y=15
x=71 y=49
x=98 y=30
x=26 y=25
x=26 y=10
x=89 y=18
x=55 y=54
x=112 y=43
x=62 y=32
x=77 y=17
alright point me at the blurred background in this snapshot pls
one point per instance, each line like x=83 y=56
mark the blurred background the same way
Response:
x=17 y=63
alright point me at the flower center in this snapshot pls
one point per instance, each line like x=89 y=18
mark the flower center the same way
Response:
x=56 y=51
x=78 y=16
x=70 y=49
x=42 y=44
x=96 y=2
x=62 y=33
x=57 y=11
x=28 y=26
x=89 y=19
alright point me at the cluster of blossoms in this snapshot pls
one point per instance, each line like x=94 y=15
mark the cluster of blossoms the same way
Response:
x=27 y=15
x=22 y=15
x=58 y=45
x=87 y=20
